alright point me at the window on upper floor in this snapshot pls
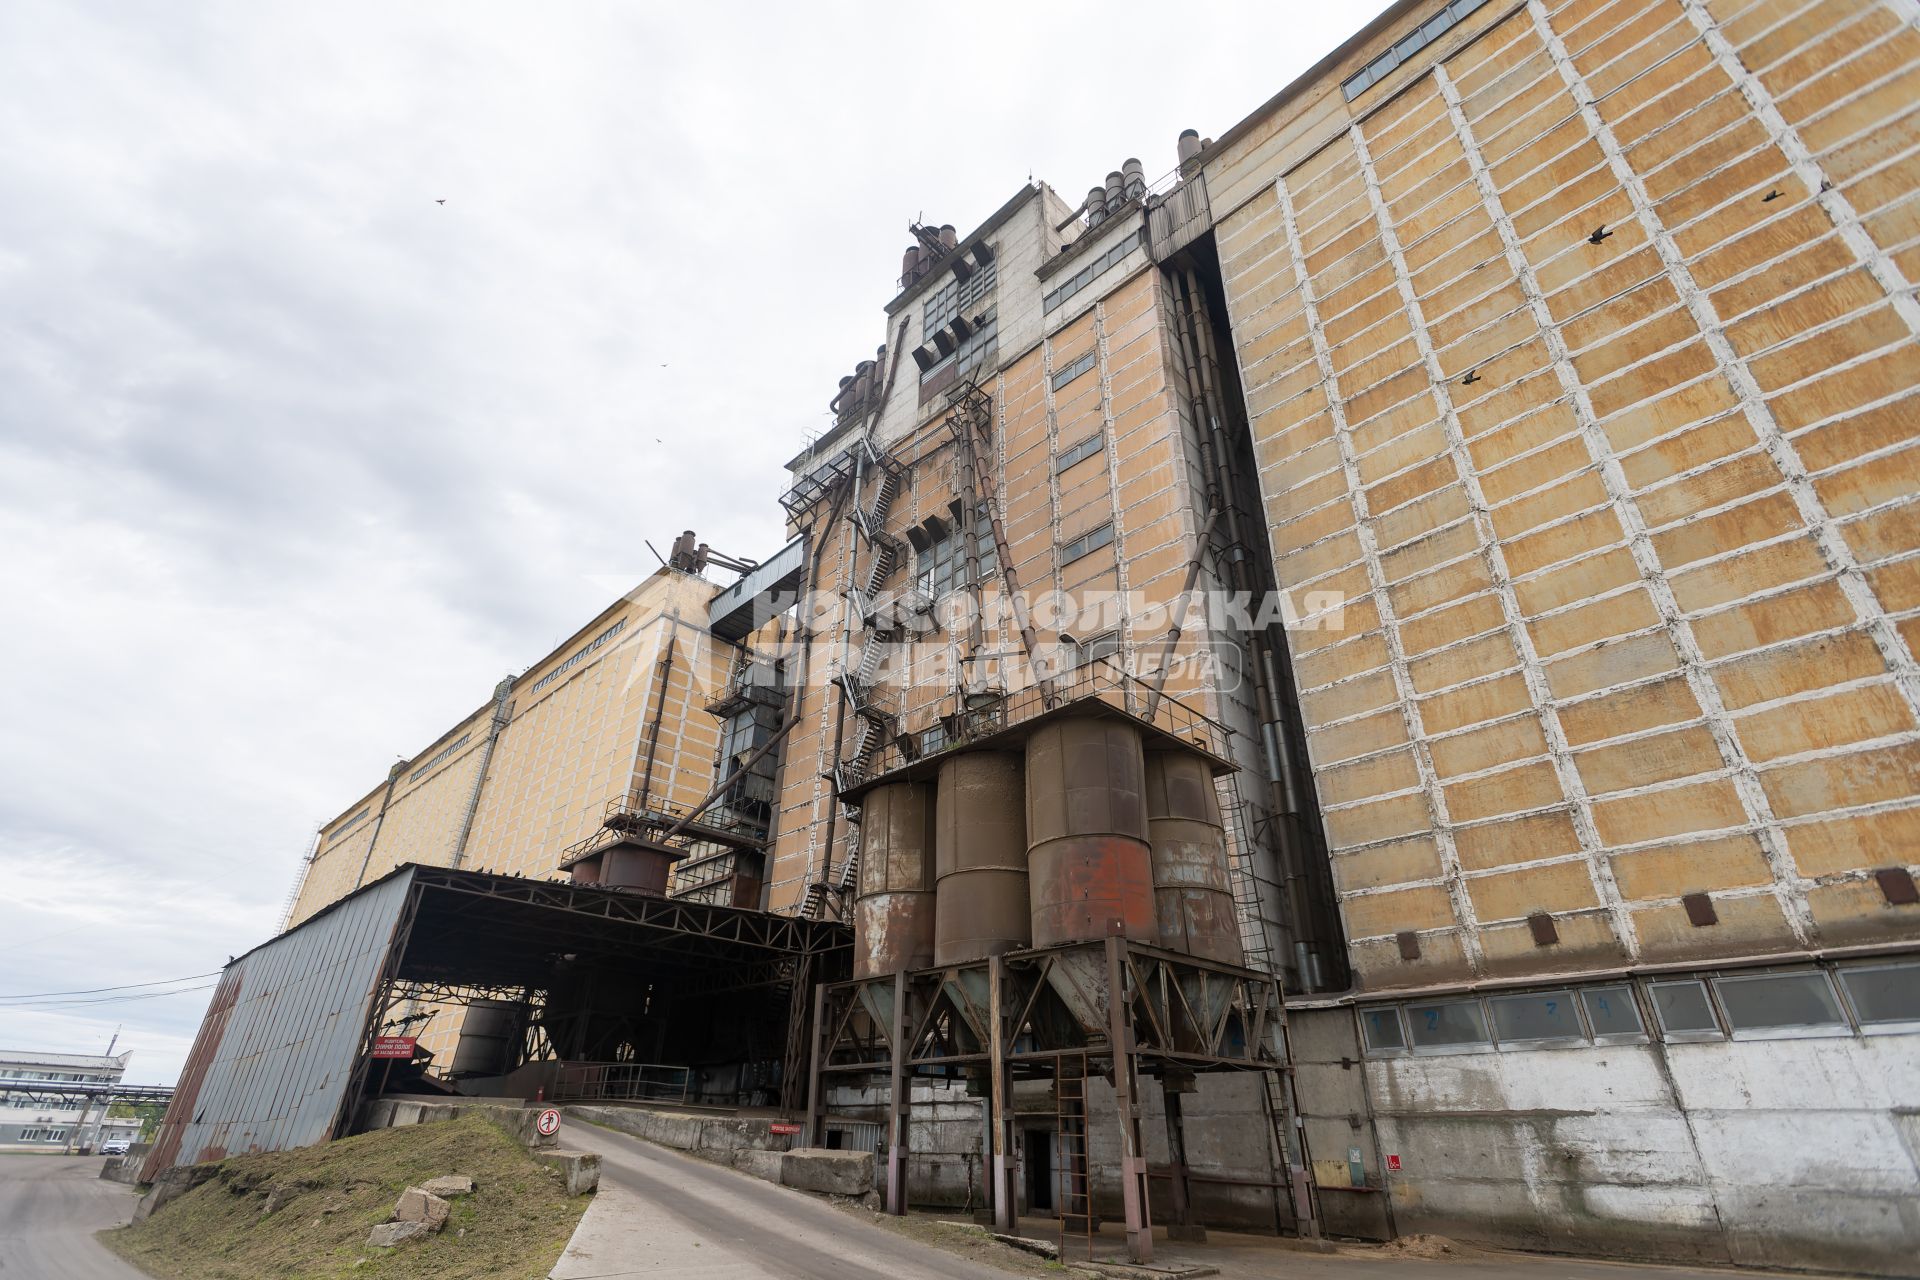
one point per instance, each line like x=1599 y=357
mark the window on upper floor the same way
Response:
x=940 y=566
x=957 y=298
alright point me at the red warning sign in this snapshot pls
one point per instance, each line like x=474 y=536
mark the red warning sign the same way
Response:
x=400 y=1047
x=548 y=1123
x=1393 y=1164
x=783 y=1129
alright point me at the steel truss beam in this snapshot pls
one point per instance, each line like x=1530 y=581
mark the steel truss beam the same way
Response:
x=1137 y=1009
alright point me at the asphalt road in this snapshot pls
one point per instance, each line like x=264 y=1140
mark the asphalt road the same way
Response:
x=660 y=1213
x=50 y=1206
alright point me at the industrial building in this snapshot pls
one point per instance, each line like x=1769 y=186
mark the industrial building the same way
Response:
x=1449 y=550
x=57 y=1101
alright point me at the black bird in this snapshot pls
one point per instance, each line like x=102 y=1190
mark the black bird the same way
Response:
x=1599 y=233
x=439 y=201
x=1473 y=376
x=1770 y=197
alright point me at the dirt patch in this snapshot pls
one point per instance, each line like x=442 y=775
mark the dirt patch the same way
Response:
x=1422 y=1246
x=304 y=1215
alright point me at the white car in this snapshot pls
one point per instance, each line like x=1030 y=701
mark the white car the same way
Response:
x=114 y=1147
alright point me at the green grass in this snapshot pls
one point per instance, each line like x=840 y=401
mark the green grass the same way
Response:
x=328 y=1197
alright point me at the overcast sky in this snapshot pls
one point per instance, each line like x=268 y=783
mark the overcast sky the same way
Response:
x=296 y=462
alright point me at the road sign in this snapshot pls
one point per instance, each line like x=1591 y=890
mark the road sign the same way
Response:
x=548 y=1123
x=394 y=1047
x=787 y=1130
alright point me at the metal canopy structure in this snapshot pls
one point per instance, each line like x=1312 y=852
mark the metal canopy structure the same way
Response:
x=1111 y=1008
x=282 y=1057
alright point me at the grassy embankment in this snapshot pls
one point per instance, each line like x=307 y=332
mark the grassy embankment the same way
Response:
x=304 y=1215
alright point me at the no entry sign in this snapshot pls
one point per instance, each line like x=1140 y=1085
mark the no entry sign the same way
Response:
x=548 y=1123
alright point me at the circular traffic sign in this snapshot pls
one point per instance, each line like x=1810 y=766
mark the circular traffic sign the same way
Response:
x=548 y=1123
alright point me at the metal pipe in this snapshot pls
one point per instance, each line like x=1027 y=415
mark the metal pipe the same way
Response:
x=502 y=693
x=662 y=674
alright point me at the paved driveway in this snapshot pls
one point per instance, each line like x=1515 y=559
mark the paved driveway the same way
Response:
x=50 y=1206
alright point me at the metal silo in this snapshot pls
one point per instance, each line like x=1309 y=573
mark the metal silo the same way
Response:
x=893 y=915
x=1192 y=889
x=1088 y=860
x=980 y=857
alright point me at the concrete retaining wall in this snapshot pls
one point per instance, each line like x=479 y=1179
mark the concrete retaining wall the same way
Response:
x=1776 y=1153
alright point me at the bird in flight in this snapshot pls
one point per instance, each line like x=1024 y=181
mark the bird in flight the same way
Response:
x=439 y=201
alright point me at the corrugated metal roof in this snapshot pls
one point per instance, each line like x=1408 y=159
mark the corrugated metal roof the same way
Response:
x=283 y=1034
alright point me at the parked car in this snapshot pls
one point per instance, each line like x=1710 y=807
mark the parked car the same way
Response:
x=115 y=1147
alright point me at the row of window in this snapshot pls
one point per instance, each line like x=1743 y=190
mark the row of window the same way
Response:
x=941 y=566
x=1068 y=372
x=1080 y=452
x=1087 y=274
x=43 y=1135
x=1087 y=543
x=592 y=646
x=439 y=757
x=1407 y=46
x=970 y=351
x=1763 y=1003
x=956 y=298
x=76 y=1076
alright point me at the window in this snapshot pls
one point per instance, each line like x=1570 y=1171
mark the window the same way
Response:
x=1684 y=1010
x=1882 y=994
x=1087 y=543
x=1437 y=1026
x=1381 y=1027
x=1408 y=45
x=1612 y=1013
x=1093 y=270
x=1068 y=372
x=1091 y=446
x=941 y=566
x=956 y=298
x=1544 y=1015
x=972 y=350
x=1778 y=1004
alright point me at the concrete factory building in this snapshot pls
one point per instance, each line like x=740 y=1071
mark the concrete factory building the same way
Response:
x=35 y=1117
x=1451 y=545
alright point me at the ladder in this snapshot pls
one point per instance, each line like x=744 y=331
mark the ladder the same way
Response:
x=1254 y=939
x=1074 y=1178
x=1293 y=1163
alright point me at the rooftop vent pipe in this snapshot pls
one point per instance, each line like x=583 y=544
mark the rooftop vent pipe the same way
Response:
x=1134 y=178
x=1116 y=191
x=1096 y=206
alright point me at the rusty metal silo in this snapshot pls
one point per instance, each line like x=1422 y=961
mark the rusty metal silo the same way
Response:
x=980 y=857
x=893 y=915
x=638 y=866
x=1088 y=860
x=1192 y=888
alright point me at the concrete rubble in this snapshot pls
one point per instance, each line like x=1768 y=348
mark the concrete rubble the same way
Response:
x=417 y=1204
x=389 y=1235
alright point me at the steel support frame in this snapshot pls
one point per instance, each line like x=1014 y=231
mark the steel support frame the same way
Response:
x=1143 y=1011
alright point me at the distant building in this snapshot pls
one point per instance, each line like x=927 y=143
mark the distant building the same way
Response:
x=27 y=1124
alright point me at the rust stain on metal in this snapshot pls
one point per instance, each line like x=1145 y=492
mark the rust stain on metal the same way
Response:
x=893 y=918
x=1089 y=865
x=186 y=1095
